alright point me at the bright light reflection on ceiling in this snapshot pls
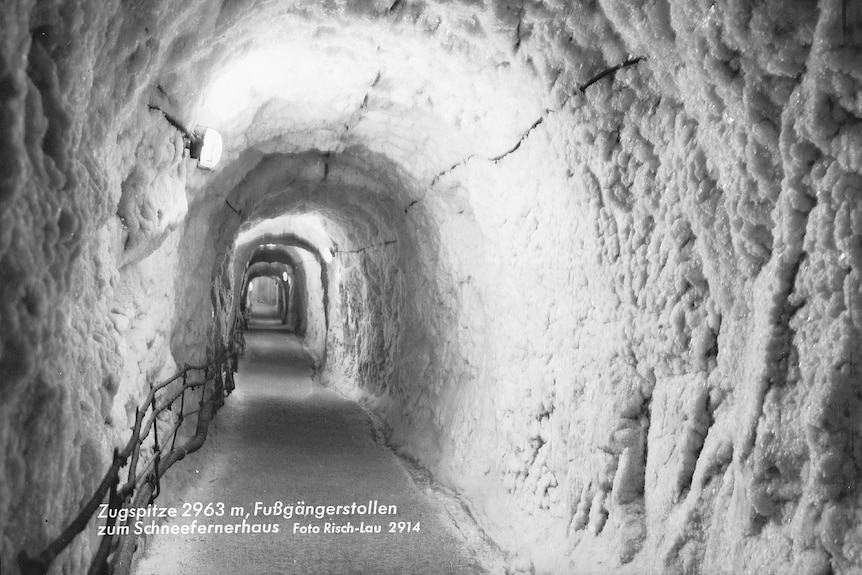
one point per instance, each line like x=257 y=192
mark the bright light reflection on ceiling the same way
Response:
x=450 y=103
x=289 y=72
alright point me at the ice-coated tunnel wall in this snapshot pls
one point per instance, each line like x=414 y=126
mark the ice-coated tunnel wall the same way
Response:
x=620 y=318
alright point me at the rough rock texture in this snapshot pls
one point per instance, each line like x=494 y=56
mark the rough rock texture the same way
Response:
x=618 y=313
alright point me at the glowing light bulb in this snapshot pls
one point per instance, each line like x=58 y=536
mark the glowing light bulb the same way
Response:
x=210 y=148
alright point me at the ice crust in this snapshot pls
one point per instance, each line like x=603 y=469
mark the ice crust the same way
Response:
x=622 y=322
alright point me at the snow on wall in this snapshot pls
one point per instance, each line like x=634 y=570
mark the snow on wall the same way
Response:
x=621 y=320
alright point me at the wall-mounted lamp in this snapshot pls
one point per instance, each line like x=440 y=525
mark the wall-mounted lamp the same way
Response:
x=284 y=276
x=204 y=144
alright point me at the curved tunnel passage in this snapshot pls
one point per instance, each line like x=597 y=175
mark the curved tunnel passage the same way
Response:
x=595 y=265
x=284 y=443
x=278 y=299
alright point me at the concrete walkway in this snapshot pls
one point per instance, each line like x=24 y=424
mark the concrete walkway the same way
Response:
x=282 y=438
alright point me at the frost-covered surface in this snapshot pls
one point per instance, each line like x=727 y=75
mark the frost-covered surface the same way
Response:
x=623 y=323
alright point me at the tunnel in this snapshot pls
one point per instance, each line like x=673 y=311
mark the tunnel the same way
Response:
x=591 y=268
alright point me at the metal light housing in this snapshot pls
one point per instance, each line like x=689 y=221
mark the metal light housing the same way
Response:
x=206 y=147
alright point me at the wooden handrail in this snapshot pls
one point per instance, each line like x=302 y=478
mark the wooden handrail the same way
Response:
x=40 y=563
x=126 y=547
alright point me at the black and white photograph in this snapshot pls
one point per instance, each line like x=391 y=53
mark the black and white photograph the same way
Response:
x=431 y=287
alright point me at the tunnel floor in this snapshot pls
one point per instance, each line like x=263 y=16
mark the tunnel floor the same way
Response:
x=283 y=438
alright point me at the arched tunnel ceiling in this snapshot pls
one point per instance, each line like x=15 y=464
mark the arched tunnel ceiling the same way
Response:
x=277 y=247
x=360 y=208
x=328 y=184
x=275 y=255
x=273 y=260
x=332 y=78
x=267 y=269
x=287 y=250
x=354 y=110
x=351 y=98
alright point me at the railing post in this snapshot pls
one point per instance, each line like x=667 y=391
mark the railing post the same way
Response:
x=180 y=417
x=136 y=491
x=157 y=454
x=219 y=385
x=99 y=565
